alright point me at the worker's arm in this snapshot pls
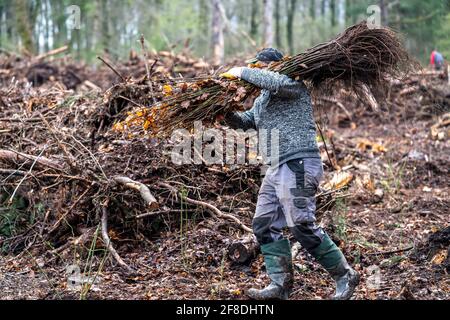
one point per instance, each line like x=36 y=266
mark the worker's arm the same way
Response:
x=241 y=120
x=277 y=83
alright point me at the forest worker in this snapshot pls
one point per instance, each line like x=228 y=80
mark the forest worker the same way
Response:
x=287 y=193
x=436 y=60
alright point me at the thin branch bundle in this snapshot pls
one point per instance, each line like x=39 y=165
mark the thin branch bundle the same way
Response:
x=358 y=58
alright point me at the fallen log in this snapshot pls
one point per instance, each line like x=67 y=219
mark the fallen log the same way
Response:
x=244 y=250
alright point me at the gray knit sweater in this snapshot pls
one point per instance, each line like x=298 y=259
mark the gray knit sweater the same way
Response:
x=283 y=104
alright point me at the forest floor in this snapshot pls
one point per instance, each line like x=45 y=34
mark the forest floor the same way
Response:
x=393 y=226
x=193 y=264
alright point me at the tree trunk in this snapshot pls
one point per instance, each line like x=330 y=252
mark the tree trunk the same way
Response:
x=203 y=21
x=384 y=12
x=47 y=26
x=312 y=9
x=277 y=24
x=105 y=25
x=323 y=8
x=290 y=6
x=333 y=12
x=253 y=22
x=24 y=27
x=217 y=33
x=268 y=23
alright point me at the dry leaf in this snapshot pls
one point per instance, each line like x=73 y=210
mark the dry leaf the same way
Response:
x=366 y=145
x=340 y=179
x=168 y=90
x=185 y=104
x=440 y=257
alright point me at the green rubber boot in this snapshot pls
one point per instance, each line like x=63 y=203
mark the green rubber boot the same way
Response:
x=278 y=260
x=332 y=259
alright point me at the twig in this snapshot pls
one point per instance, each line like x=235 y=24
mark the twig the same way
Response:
x=111 y=67
x=25 y=176
x=333 y=163
x=155 y=213
x=70 y=159
x=92 y=156
x=107 y=241
x=144 y=52
x=214 y=210
x=16 y=156
x=69 y=210
x=390 y=252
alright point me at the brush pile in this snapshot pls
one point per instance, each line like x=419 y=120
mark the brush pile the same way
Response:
x=358 y=58
x=63 y=171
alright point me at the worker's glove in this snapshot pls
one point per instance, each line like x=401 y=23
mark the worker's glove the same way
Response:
x=232 y=73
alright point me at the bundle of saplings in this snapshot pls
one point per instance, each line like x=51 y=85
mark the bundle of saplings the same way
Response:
x=360 y=57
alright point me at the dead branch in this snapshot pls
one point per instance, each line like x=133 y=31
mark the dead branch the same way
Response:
x=112 y=68
x=214 y=210
x=52 y=52
x=25 y=176
x=70 y=159
x=15 y=156
x=142 y=188
x=107 y=241
x=390 y=251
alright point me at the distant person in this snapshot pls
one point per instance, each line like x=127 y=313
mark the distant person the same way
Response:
x=436 y=60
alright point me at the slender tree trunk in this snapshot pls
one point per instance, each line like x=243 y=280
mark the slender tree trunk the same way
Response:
x=384 y=12
x=268 y=23
x=47 y=18
x=277 y=24
x=203 y=24
x=253 y=20
x=24 y=27
x=312 y=9
x=217 y=33
x=1 y=22
x=349 y=12
x=105 y=24
x=290 y=7
x=333 y=12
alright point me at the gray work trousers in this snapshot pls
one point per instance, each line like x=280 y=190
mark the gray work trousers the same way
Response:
x=287 y=198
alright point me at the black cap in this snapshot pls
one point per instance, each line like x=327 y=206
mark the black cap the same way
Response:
x=267 y=55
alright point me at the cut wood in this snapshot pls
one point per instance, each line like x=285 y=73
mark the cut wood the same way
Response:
x=244 y=250
x=149 y=199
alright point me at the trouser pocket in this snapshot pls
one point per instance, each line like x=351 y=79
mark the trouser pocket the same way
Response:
x=306 y=183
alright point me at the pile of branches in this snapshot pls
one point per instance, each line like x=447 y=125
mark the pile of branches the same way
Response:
x=61 y=176
x=58 y=152
x=360 y=57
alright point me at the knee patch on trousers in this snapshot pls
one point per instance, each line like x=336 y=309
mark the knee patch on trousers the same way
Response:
x=304 y=233
x=261 y=229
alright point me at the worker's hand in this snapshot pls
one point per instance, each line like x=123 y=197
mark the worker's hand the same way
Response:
x=232 y=73
x=220 y=117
